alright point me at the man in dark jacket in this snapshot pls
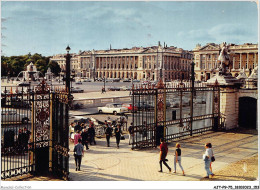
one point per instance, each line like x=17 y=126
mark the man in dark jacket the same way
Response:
x=108 y=132
x=26 y=137
x=92 y=134
x=118 y=133
x=77 y=127
x=84 y=136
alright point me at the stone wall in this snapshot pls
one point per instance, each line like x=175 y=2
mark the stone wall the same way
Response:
x=229 y=103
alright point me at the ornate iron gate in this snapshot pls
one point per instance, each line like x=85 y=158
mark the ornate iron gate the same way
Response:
x=173 y=111
x=43 y=149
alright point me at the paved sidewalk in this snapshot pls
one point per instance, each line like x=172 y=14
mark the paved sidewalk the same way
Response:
x=102 y=163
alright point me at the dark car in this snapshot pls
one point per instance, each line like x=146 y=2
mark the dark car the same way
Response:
x=114 y=88
x=127 y=80
x=143 y=106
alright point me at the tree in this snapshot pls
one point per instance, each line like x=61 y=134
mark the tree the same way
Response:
x=55 y=68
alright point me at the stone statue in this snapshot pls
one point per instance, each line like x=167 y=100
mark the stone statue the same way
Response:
x=223 y=59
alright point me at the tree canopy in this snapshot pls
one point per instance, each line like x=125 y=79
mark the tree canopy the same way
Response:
x=15 y=64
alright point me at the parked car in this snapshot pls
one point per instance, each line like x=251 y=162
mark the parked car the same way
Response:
x=113 y=88
x=13 y=116
x=76 y=90
x=113 y=108
x=115 y=80
x=19 y=102
x=127 y=80
x=87 y=80
x=78 y=82
x=200 y=100
x=125 y=88
x=130 y=107
x=143 y=106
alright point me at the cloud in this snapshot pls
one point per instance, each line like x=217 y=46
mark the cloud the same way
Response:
x=232 y=33
x=196 y=35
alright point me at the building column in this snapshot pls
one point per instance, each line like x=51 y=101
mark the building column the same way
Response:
x=247 y=60
x=254 y=60
x=234 y=60
x=240 y=66
x=211 y=60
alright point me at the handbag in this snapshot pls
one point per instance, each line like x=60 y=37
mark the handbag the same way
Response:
x=212 y=159
x=122 y=137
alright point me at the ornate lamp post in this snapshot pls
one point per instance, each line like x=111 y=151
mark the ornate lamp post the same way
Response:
x=68 y=70
x=192 y=95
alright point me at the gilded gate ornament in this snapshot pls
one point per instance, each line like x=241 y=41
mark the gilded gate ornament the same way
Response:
x=42 y=114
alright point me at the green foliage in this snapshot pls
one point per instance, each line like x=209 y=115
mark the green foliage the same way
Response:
x=55 y=68
x=15 y=64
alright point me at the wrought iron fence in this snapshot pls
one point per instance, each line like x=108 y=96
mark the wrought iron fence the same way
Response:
x=172 y=111
x=34 y=131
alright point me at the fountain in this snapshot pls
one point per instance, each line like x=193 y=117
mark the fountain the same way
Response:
x=31 y=73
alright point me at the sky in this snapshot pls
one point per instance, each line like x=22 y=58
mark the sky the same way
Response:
x=47 y=27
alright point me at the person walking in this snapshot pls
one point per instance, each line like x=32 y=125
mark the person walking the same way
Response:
x=26 y=137
x=210 y=167
x=108 y=132
x=77 y=127
x=177 y=158
x=131 y=134
x=118 y=133
x=207 y=160
x=20 y=140
x=163 y=154
x=92 y=134
x=77 y=136
x=78 y=153
x=84 y=137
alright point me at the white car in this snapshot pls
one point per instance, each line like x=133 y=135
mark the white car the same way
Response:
x=113 y=108
x=13 y=116
x=87 y=80
x=78 y=82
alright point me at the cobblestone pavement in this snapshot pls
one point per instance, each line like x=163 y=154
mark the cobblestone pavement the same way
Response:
x=102 y=163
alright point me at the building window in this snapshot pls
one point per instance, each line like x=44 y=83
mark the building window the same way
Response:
x=253 y=65
x=246 y=65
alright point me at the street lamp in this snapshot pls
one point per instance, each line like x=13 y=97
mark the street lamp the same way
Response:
x=192 y=96
x=68 y=69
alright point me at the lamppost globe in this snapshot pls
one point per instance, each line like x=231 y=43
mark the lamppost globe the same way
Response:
x=68 y=49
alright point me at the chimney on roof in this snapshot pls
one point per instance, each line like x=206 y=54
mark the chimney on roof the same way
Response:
x=159 y=43
x=110 y=47
x=164 y=44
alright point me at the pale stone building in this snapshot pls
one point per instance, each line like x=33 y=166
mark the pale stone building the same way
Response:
x=142 y=63
x=241 y=57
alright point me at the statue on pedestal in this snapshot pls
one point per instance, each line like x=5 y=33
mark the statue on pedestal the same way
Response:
x=223 y=60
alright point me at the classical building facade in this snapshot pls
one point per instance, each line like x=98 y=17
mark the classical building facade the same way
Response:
x=138 y=63
x=240 y=57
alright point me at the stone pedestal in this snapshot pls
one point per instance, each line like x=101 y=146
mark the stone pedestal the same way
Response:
x=229 y=106
x=228 y=97
x=224 y=80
